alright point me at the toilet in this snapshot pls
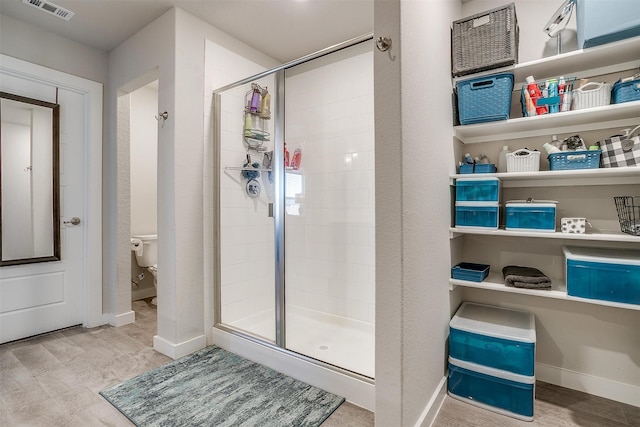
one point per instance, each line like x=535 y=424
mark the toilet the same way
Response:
x=145 y=246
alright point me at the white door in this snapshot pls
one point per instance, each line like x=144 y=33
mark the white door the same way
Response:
x=41 y=297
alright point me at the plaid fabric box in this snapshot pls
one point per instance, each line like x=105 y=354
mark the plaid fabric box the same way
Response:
x=620 y=151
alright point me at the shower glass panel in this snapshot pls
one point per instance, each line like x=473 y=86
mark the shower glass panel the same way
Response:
x=246 y=226
x=329 y=209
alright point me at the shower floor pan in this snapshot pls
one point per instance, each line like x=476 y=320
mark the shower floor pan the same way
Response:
x=340 y=341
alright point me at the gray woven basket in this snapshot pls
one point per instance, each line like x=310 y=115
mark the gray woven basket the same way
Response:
x=485 y=41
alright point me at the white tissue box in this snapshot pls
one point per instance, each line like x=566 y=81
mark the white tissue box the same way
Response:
x=573 y=225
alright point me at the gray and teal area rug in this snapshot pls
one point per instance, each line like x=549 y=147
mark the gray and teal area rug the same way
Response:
x=213 y=387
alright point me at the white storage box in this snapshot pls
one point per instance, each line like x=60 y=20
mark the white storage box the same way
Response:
x=573 y=225
x=523 y=160
x=592 y=95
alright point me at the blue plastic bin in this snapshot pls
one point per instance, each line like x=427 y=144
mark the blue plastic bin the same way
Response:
x=466 y=168
x=582 y=159
x=603 y=274
x=496 y=337
x=470 y=271
x=477 y=214
x=477 y=189
x=605 y=21
x=534 y=216
x=625 y=91
x=501 y=392
x=485 y=99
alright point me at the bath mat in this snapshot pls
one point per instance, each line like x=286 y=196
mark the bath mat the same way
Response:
x=213 y=387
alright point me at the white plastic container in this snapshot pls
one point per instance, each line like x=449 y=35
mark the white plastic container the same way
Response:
x=523 y=160
x=592 y=95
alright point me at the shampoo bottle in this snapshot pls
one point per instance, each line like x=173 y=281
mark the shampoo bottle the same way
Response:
x=552 y=89
x=297 y=158
x=265 y=107
x=502 y=159
x=286 y=156
x=535 y=93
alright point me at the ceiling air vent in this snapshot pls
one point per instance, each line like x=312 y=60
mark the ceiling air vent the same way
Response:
x=51 y=8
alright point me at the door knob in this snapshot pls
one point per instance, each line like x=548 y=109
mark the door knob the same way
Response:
x=73 y=221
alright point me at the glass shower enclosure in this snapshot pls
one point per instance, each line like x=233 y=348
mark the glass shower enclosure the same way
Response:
x=295 y=233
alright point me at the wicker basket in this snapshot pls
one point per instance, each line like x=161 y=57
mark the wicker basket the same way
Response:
x=485 y=41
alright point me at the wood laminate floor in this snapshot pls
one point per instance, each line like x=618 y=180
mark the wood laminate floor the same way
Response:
x=54 y=380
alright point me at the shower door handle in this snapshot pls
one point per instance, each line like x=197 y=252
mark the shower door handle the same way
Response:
x=270 y=210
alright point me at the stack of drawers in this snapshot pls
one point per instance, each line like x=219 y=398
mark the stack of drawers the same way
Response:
x=492 y=358
x=477 y=202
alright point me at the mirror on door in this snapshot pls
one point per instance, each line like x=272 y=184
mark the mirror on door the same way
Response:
x=29 y=180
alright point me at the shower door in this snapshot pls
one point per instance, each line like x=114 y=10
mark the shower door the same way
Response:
x=329 y=215
x=246 y=242
x=296 y=256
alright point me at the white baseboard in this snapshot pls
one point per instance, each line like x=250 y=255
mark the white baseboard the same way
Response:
x=354 y=390
x=430 y=412
x=176 y=351
x=142 y=293
x=121 y=319
x=603 y=387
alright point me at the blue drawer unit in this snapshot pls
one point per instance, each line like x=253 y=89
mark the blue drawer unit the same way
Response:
x=492 y=389
x=495 y=337
x=477 y=189
x=603 y=274
x=477 y=214
x=531 y=216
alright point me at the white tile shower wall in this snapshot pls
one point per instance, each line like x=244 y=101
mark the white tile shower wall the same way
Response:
x=330 y=246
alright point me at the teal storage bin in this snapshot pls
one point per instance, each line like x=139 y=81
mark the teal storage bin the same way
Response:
x=484 y=99
x=470 y=271
x=491 y=389
x=530 y=216
x=604 y=21
x=603 y=274
x=495 y=337
x=477 y=214
x=477 y=189
x=469 y=168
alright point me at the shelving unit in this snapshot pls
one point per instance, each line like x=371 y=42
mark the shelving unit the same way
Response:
x=613 y=57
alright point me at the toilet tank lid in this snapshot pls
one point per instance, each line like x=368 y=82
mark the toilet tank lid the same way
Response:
x=144 y=237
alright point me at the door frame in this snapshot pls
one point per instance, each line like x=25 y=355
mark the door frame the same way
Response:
x=92 y=173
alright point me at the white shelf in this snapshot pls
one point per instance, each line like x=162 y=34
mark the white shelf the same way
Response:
x=602 y=237
x=495 y=282
x=576 y=177
x=609 y=116
x=609 y=58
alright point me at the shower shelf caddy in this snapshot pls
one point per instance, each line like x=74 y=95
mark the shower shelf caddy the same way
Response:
x=254 y=132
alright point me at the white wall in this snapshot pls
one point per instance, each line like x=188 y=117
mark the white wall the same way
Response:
x=330 y=246
x=413 y=152
x=144 y=161
x=27 y=42
x=171 y=49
